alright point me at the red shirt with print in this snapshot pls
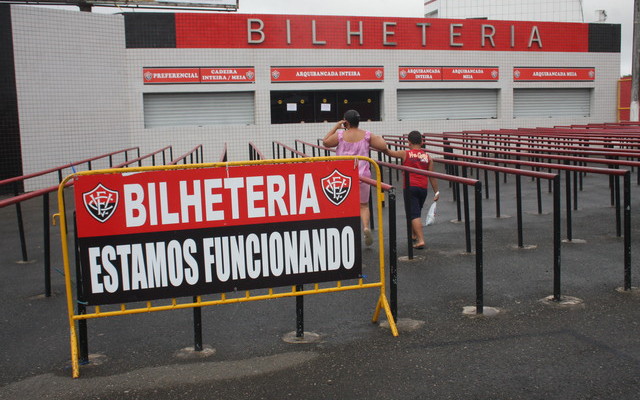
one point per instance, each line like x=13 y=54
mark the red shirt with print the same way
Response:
x=417 y=158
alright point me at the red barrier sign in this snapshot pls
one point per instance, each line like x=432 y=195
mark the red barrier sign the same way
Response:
x=554 y=74
x=175 y=233
x=327 y=74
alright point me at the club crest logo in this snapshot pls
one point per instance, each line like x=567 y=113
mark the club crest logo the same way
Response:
x=100 y=202
x=379 y=74
x=275 y=74
x=249 y=75
x=336 y=187
x=148 y=76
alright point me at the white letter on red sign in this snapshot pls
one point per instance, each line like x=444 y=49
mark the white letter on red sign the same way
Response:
x=254 y=195
x=133 y=197
x=488 y=36
x=251 y=31
x=454 y=34
x=190 y=200
x=386 y=33
x=313 y=34
x=424 y=32
x=535 y=37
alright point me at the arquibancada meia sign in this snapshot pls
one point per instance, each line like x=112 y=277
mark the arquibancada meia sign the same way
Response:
x=188 y=232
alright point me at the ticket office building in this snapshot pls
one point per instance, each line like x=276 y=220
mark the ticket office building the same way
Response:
x=153 y=79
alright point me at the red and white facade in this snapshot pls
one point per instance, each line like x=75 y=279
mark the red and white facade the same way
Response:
x=150 y=80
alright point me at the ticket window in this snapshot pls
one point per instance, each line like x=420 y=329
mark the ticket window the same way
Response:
x=323 y=105
x=292 y=107
x=326 y=107
x=366 y=102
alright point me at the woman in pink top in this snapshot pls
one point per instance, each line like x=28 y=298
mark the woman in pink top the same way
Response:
x=353 y=141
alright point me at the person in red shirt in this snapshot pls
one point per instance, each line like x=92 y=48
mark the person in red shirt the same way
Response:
x=416 y=193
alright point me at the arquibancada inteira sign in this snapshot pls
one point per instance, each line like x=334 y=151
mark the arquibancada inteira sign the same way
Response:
x=189 y=232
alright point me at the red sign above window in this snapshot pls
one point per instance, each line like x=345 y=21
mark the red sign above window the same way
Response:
x=553 y=74
x=470 y=73
x=327 y=74
x=413 y=74
x=227 y=75
x=430 y=74
x=199 y=75
x=171 y=75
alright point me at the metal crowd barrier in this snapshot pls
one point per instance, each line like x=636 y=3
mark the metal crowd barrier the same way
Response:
x=18 y=198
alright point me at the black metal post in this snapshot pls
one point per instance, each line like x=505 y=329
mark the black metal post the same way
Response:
x=371 y=218
x=497 y=194
x=479 y=253
x=47 y=245
x=299 y=313
x=568 y=201
x=575 y=190
x=616 y=187
x=486 y=182
x=23 y=242
x=611 y=187
x=393 y=256
x=627 y=231
x=197 y=327
x=456 y=189
x=556 y=238
x=83 y=337
x=519 y=209
x=467 y=222
x=539 y=194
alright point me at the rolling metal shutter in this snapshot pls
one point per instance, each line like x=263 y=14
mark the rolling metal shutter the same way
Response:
x=420 y=105
x=529 y=103
x=199 y=109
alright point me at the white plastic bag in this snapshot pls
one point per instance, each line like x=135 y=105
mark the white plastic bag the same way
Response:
x=431 y=214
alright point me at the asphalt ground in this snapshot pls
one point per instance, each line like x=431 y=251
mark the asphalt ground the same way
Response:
x=530 y=348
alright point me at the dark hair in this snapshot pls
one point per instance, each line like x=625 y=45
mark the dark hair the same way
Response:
x=352 y=117
x=415 y=137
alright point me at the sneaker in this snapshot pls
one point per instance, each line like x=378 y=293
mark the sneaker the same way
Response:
x=368 y=238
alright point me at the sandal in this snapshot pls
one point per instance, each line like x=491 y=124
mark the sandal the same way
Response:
x=368 y=238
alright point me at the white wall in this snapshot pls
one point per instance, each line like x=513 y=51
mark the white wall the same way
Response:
x=73 y=89
x=603 y=108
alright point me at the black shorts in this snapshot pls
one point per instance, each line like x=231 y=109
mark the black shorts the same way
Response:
x=416 y=198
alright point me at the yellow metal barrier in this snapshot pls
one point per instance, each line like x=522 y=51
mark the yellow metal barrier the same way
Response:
x=382 y=302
